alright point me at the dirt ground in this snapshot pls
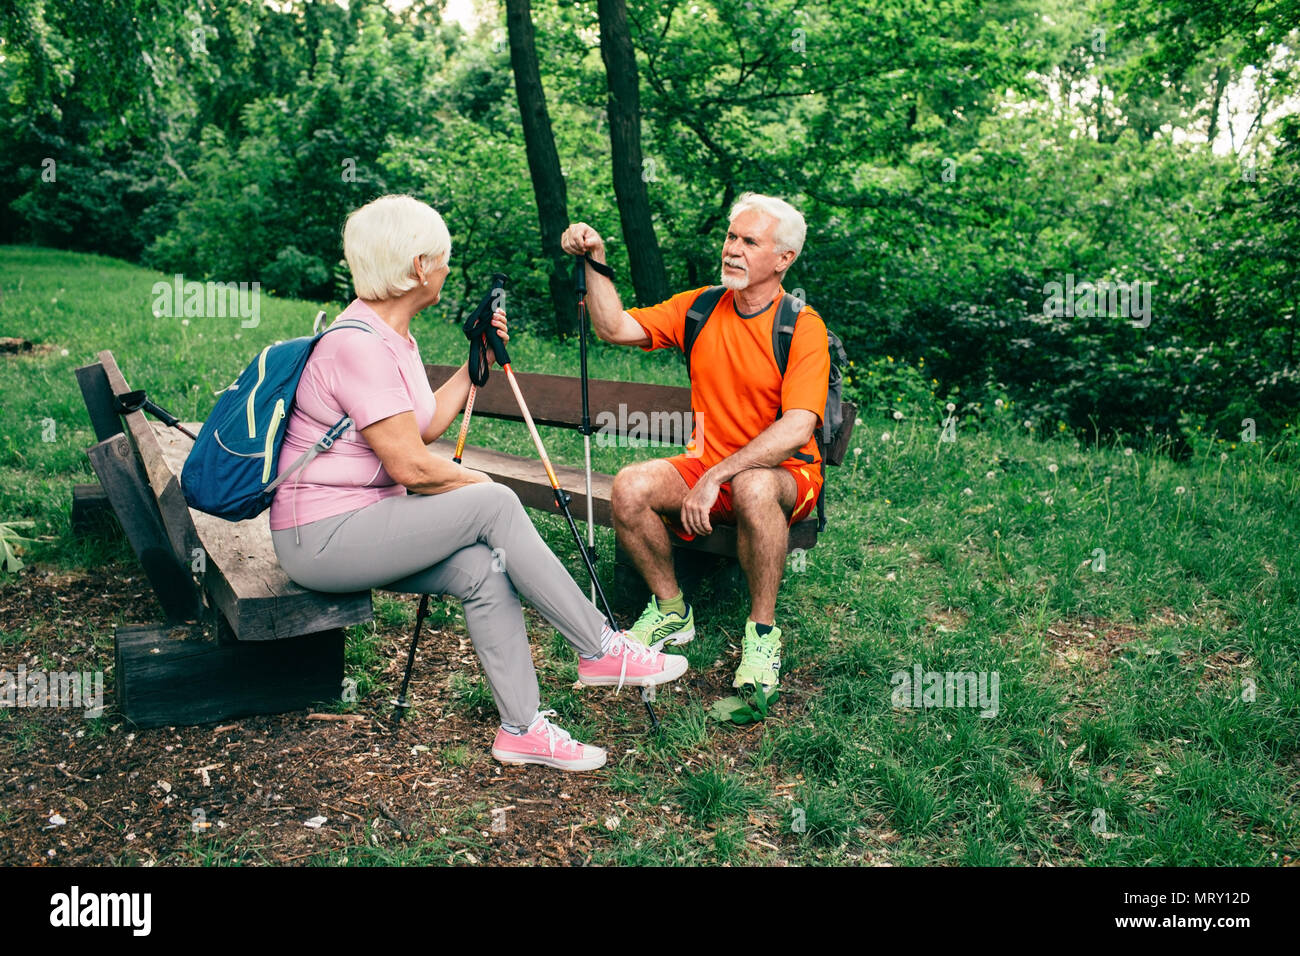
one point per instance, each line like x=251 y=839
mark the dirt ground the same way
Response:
x=78 y=790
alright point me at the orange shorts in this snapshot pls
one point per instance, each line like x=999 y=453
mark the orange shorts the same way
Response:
x=807 y=481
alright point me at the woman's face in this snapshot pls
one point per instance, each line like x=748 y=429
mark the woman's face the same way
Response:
x=432 y=279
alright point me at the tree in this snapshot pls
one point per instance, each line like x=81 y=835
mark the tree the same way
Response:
x=543 y=161
x=646 y=262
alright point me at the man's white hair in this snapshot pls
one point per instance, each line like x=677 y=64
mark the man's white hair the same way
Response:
x=383 y=237
x=791 y=230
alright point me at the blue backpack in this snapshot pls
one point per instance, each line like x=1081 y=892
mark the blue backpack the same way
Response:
x=231 y=470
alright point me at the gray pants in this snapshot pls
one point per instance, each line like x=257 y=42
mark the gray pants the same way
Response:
x=476 y=543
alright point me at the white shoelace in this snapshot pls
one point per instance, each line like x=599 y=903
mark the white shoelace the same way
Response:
x=553 y=733
x=626 y=648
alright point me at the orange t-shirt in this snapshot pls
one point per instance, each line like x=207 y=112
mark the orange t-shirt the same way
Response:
x=736 y=387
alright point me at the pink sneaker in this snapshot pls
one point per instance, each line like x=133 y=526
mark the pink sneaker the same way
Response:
x=628 y=661
x=547 y=744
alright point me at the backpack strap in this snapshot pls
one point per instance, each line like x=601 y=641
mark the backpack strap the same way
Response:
x=696 y=316
x=325 y=443
x=787 y=316
x=349 y=324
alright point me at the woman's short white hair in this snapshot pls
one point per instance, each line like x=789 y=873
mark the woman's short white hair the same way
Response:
x=790 y=227
x=383 y=237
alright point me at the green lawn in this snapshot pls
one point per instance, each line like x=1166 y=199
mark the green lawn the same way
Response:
x=1147 y=713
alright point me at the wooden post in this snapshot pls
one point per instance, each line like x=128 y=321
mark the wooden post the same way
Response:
x=181 y=676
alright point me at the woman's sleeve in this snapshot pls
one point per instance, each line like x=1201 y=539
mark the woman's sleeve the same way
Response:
x=366 y=381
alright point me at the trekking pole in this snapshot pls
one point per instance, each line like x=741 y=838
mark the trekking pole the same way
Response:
x=137 y=400
x=561 y=496
x=464 y=423
x=580 y=281
x=475 y=327
x=400 y=702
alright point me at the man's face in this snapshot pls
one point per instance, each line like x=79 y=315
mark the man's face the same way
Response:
x=749 y=255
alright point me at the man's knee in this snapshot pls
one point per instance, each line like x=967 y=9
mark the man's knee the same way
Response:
x=635 y=489
x=755 y=491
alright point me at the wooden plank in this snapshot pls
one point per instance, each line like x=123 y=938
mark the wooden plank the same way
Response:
x=125 y=487
x=527 y=478
x=243 y=575
x=90 y=507
x=183 y=676
x=557 y=399
x=166 y=485
x=98 y=396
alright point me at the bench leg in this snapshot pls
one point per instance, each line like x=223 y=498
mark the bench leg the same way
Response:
x=181 y=676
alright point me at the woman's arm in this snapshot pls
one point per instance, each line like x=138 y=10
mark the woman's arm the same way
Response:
x=397 y=442
x=453 y=393
x=450 y=398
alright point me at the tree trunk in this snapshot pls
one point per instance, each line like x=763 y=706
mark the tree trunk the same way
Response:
x=543 y=161
x=649 y=280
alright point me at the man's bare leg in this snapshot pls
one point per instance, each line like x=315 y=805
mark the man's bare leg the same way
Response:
x=763 y=499
x=642 y=492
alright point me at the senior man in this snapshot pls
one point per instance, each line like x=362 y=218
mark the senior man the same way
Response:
x=753 y=460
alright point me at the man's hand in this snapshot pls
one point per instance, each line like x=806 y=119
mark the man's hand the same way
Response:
x=580 y=238
x=697 y=504
x=608 y=320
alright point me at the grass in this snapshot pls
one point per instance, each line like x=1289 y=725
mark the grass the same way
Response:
x=1140 y=614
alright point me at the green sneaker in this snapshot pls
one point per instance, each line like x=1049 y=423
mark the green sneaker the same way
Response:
x=760 y=659
x=654 y=627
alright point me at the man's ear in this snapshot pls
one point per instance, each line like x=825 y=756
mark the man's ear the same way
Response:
x=786 y=261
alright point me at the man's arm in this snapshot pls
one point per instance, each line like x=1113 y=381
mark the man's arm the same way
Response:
x=773 y=445
x=608 y=318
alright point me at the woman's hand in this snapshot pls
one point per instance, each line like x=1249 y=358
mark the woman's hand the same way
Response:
x=499 y=322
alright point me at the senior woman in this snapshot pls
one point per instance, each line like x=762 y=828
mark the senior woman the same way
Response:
x=347 y=523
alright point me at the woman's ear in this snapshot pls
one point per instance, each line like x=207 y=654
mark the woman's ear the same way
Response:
x=418 y=269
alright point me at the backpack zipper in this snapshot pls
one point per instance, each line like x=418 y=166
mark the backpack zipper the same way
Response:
x=261 y=375
x=276 y=416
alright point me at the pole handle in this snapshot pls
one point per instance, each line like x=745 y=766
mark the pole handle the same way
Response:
x=580 y=276
x=494 y=338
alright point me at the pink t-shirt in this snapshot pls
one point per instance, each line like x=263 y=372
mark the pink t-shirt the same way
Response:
x=368 y=377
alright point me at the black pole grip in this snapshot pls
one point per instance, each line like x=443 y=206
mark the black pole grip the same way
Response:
x=580 y=276
x=494 y=337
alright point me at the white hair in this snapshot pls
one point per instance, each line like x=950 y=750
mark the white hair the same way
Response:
x=383 y=237
x=790 y=227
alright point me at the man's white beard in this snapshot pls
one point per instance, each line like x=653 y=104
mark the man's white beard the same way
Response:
x=734 y=283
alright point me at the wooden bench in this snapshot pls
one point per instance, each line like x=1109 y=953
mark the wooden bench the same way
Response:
x=241 y=638
x=556 y=400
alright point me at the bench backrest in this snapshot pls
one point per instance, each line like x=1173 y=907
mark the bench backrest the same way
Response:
x=557 y=400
